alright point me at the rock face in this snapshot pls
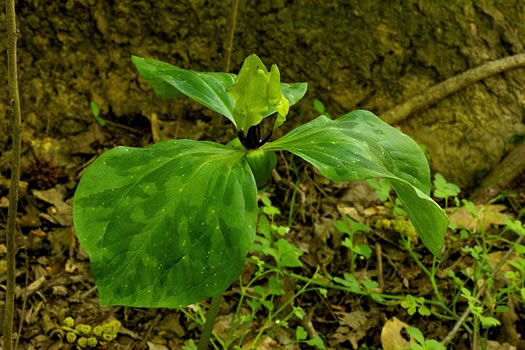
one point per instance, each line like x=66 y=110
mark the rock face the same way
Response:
x=353 y=54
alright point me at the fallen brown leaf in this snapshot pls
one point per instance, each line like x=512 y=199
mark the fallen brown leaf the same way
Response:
x=391 y=337
x=486 y=215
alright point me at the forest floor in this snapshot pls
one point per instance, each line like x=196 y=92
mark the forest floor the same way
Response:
x=334 y=265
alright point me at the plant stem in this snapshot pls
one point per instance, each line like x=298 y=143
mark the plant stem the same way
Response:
x=229 y=41
x=210 y=321
x=392 y=297
x=15 y=172
x=431 y=275
x=243 y=290
x=271 y=315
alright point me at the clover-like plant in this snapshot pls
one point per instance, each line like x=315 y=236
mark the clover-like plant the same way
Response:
x=171 y=224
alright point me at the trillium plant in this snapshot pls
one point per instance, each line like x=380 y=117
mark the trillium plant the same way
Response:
x=171 y=224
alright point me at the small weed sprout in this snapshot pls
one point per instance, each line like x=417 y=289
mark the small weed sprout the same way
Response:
x=445 y=190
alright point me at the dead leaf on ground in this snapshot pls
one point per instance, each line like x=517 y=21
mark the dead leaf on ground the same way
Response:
x=171 y=323
x=391 y=337
x=494 y=345
x=81 y=143
x=354 y=326
x=266 y=344
x=496 y=257
x=486 y=215
x=32 y=288
x=152 y=346
x=61 y=212
x=48 y=148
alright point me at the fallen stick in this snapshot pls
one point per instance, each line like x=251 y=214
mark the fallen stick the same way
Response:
x=501 y=176
x=431 y=96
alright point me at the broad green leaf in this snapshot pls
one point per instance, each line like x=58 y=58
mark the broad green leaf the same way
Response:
x=168 y=225
x=168 y=81
x=293 y=92
x=360 y=146
x=208 y=89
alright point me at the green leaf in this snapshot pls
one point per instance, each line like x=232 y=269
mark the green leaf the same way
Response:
x=288 y=254
x=363 y=249
x=206 y=88
x=263 y=226
x=300 y=333
x=168 y=225
x=487 y=322
x=382 y=188
x=95 y=110
x=319 y=106
x=350 y=282
x=424 y=311
x=370 y=284
x=444 y=189
x=434 y=345
x=275 y=286
x=317 y=342
x=168 y=81
x=416 y=334
x=359 y=146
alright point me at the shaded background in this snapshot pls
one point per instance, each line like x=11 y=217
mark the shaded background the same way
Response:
x=353 y=54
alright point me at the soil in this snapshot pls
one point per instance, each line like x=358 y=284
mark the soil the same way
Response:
x=353 y=54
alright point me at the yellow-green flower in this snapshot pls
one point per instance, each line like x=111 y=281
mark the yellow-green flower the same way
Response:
x=257 y=94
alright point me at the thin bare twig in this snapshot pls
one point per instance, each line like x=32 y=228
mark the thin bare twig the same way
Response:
x=24 y=302
x=450 y=336
x=16 y=122
x=400 y=112
x=380 y=279
x=229 y=42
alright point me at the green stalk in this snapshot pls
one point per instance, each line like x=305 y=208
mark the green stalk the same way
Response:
x=210 y=321
x=239 y=304
x=399 y=298
x=271 y=316
x=430 y=275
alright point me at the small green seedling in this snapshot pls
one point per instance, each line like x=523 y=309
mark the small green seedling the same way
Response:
x=95 y=110
x=301 y=336
x=284 y=253
x=444 y=189
x=171 y=224
x=422 y=343
x=413 y=305
x=350 y=228
x=320 y=107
